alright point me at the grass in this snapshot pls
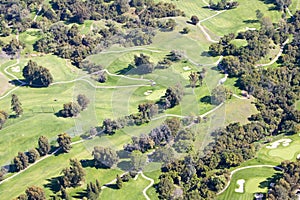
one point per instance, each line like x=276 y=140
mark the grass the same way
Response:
x=135 y=188
x=256 y=180
x=281 y=153
x=238 y=19
x=295 y=6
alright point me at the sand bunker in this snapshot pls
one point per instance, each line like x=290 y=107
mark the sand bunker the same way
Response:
x=241 y=183
x=148 y=92
x=274 y=145
x=16 y=69
x=298 y=157
x=250 y=29
x=186 y=68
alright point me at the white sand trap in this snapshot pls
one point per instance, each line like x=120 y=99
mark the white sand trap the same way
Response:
x=16 y=69
x=148 y=92
x=298 y=157
x=274 y=145
x=241 y=183
x=186 y=68
x=251 y=29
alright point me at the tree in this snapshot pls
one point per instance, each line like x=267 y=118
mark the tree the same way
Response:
x=73 y=175
x=33 y=155
x=93 y=190
x=173 y=124
x=37 y=75
x=64 y=142
x=71 y=109
x=104 y=157
x=138 y=160
x=259 y=14
x=2 y=173
x=44 y=146
x=143 y=64
x=185 y=30
x=193 y=79
x=219 y=94
x=16 y=105
x=35 y=193
x=110 y=126
x=119 y=182
x=3 y=118
x=195 y=19
x=20 y=161
x=83 y=101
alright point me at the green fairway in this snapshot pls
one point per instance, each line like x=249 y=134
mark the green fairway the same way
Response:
x=256 y=180
x=281 y=153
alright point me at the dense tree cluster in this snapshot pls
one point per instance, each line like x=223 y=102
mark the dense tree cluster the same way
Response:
x=37 y=75
x=143 y=64
x=172 y=97
x=223 y=5
x=33 y=193
x=287 y=187
x=13 y=47
x=93 y=190
x=73 y=175
x=276 y=91
x=83 y=101
x=105 y=157
x=64 y=141
x=157 y=137
x=20 y=161
x=71 y=109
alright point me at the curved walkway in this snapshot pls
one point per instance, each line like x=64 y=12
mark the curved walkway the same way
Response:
x=149 y=186
x=247 y=167
x=277 y=56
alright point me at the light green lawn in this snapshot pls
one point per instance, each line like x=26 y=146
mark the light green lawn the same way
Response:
x=256 y=180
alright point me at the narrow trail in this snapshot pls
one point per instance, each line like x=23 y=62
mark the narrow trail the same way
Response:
x=132 y=49
x=277 y=56
x=38 y=12
x=149 y=186
x=247 y=167
x=289 y=12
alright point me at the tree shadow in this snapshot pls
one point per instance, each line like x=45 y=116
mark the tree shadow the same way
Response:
x=205 y=54
x=124 y=165
x=250 y=21
x=87 y=163
x=80 y=195
x=206 y=99
x=123 y=154
x=126 y=70
x=112 y=186
x=269 y=180
x=53 y=184
x=17 y=82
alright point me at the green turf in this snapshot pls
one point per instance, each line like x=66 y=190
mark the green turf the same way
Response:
x=256 y=180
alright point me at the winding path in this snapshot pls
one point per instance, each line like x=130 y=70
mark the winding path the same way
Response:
x=149 y=186
x=277 y=56
x=247 y=167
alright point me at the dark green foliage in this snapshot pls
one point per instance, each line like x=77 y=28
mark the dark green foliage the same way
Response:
x=138 y=160
x=119 y=182
x=16 y=105
x=287 y=186
x=220 y=94
x=13 y=47
x=64 y=142
x=148 y=110
x=223 y=5
x=173 y=124
x=143 y=64
x=20 y=162
x=71 y=109
x=185 y=30
x=73 y=175
x=194 y=19
x=158 y=136
x=35 y=193
x=83 y=101
x=172 y=97
x=37 y=75
x=105 y=157
x=44 y=146
x=110 y=126
x=93 y=190
x=3 y=118
x=33 y=155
